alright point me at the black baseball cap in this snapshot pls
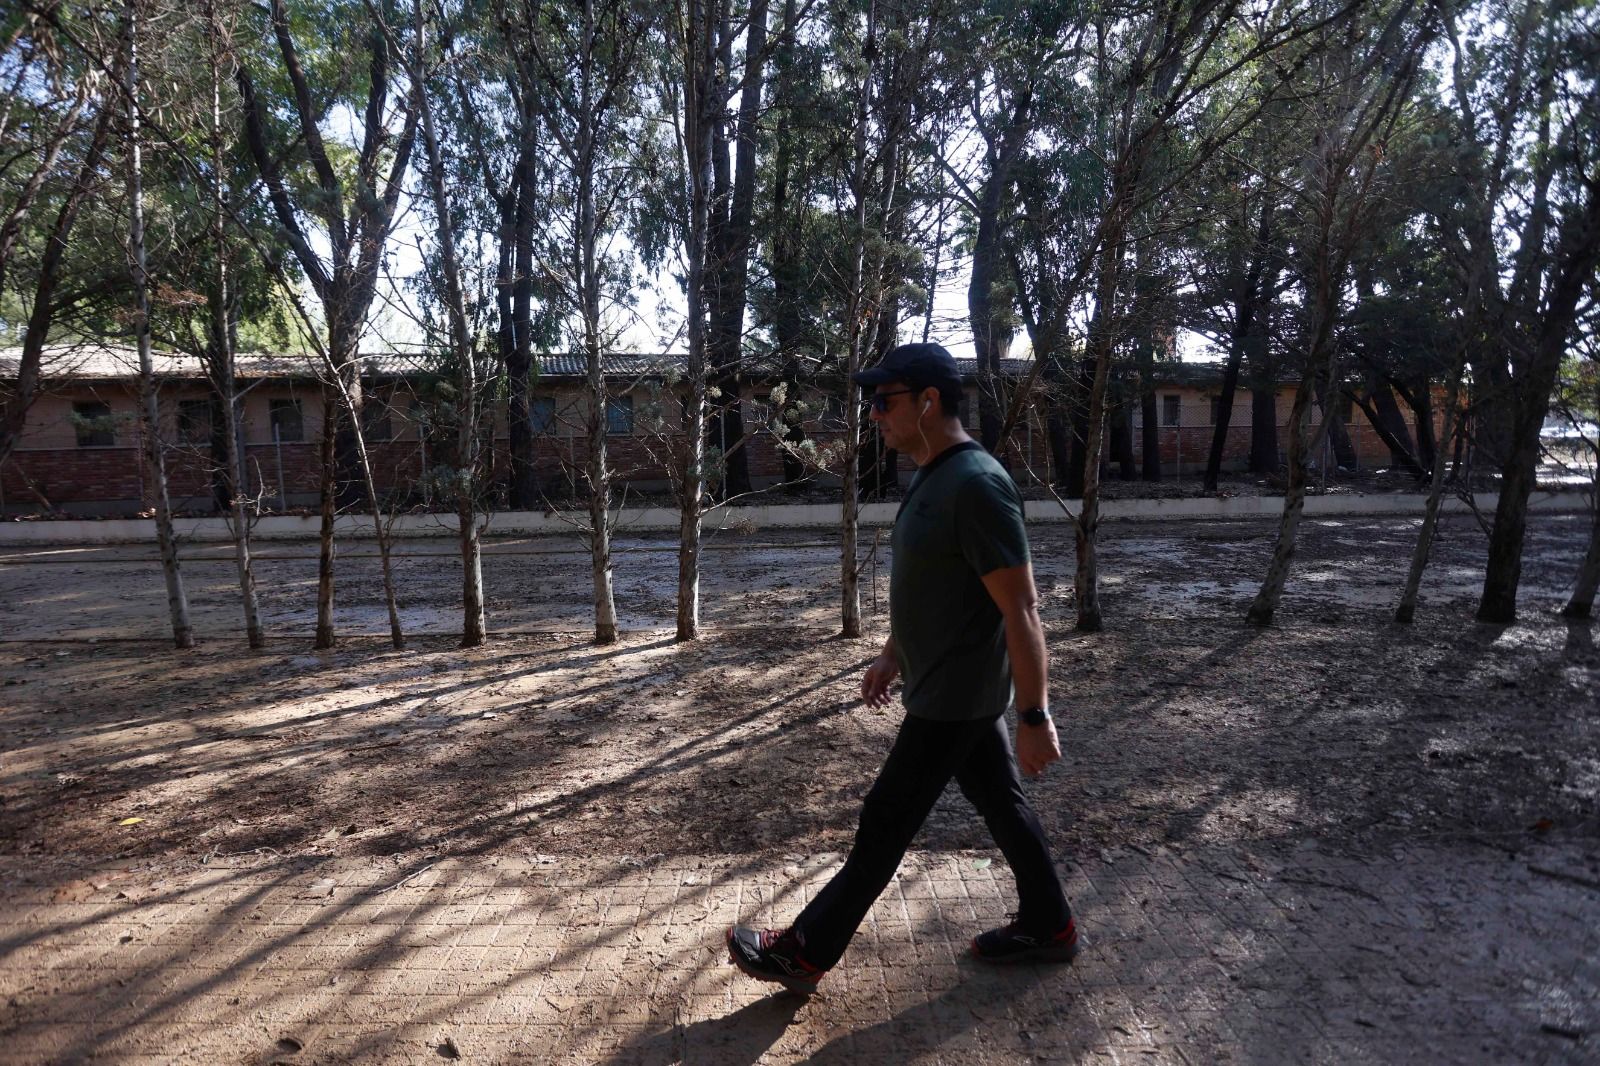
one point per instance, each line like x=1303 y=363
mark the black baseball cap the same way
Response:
x=921 y=366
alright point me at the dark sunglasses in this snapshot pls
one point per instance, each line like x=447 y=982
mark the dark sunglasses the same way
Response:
x=880 y=400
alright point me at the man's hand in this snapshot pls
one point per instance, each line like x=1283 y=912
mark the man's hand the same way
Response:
x=1037 y=747
x=879 y=676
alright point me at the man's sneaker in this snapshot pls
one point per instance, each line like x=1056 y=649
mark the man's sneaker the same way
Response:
x=1010 y=943
x=773 y=955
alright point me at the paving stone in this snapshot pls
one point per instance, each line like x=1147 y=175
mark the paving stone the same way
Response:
x=1322 y=961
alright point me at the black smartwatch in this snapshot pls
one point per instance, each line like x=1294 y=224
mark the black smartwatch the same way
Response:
x=1033 y=716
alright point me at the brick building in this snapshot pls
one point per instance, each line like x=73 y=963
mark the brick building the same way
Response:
x=80 y=449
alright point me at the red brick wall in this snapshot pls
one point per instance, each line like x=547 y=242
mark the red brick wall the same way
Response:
x=110 y=479
x=75 y=475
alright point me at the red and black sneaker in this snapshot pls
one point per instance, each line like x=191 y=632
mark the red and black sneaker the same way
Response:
x=773 y=955
x=1012 y=943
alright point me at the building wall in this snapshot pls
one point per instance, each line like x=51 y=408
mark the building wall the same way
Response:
x=49 y=463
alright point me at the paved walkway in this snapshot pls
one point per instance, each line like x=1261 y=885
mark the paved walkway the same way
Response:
x=1430 y=954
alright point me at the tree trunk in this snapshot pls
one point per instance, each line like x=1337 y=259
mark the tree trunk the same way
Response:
x=1079 y=407
x=1384 y=425
x=1321 y=360
x=589 y=292
x=1406 y=610
x=1581 y=605
x=222 y=348
x=1344 y=449
x=732 y=267
x=701 y=111
x=1122 y=441
x=1264 y=429
x=1097 y=358
x=1581 y=248
x=1150 y=431
x=1219 y=434
x=326 y=454
x=1420 y=398
x=255 y=635
x=1392 y=428
x=1265 y=605
x=990 y=339
x=786 y=328
x=524 y=481
x=859 y=313
x=473 y=622
x=155 y=460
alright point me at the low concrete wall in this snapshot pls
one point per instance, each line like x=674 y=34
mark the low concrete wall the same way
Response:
x=761 y=516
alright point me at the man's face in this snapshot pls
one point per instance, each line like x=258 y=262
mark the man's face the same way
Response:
x=896 y=410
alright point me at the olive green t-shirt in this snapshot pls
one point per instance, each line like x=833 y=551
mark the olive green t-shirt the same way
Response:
x=962 y=518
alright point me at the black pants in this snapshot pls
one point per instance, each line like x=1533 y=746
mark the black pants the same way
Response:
x=925 y=756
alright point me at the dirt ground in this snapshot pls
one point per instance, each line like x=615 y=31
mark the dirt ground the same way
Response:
x=1180 y=723
x=1184 y=730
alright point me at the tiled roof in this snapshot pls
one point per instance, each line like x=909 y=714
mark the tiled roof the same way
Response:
x=111 y=362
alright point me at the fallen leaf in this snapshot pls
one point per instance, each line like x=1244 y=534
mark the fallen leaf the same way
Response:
x=130 y=821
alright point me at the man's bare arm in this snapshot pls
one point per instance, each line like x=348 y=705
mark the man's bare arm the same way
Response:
x=1013 y=591
x=880 y=675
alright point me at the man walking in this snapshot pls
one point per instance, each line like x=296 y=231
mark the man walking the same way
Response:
x=964 y=632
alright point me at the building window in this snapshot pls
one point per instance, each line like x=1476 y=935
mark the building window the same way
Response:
x=375 y=421
x=195 y=421
x=288 y=424
x=1171 y=409
x=93 y=424
x=619 y=416
x=542 y=413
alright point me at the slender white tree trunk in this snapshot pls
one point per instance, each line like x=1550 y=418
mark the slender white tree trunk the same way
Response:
x=177 y=603
x=850 y=505
x=699 y=44
x=223 y=348
x=605 y=607
x=473 y=621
